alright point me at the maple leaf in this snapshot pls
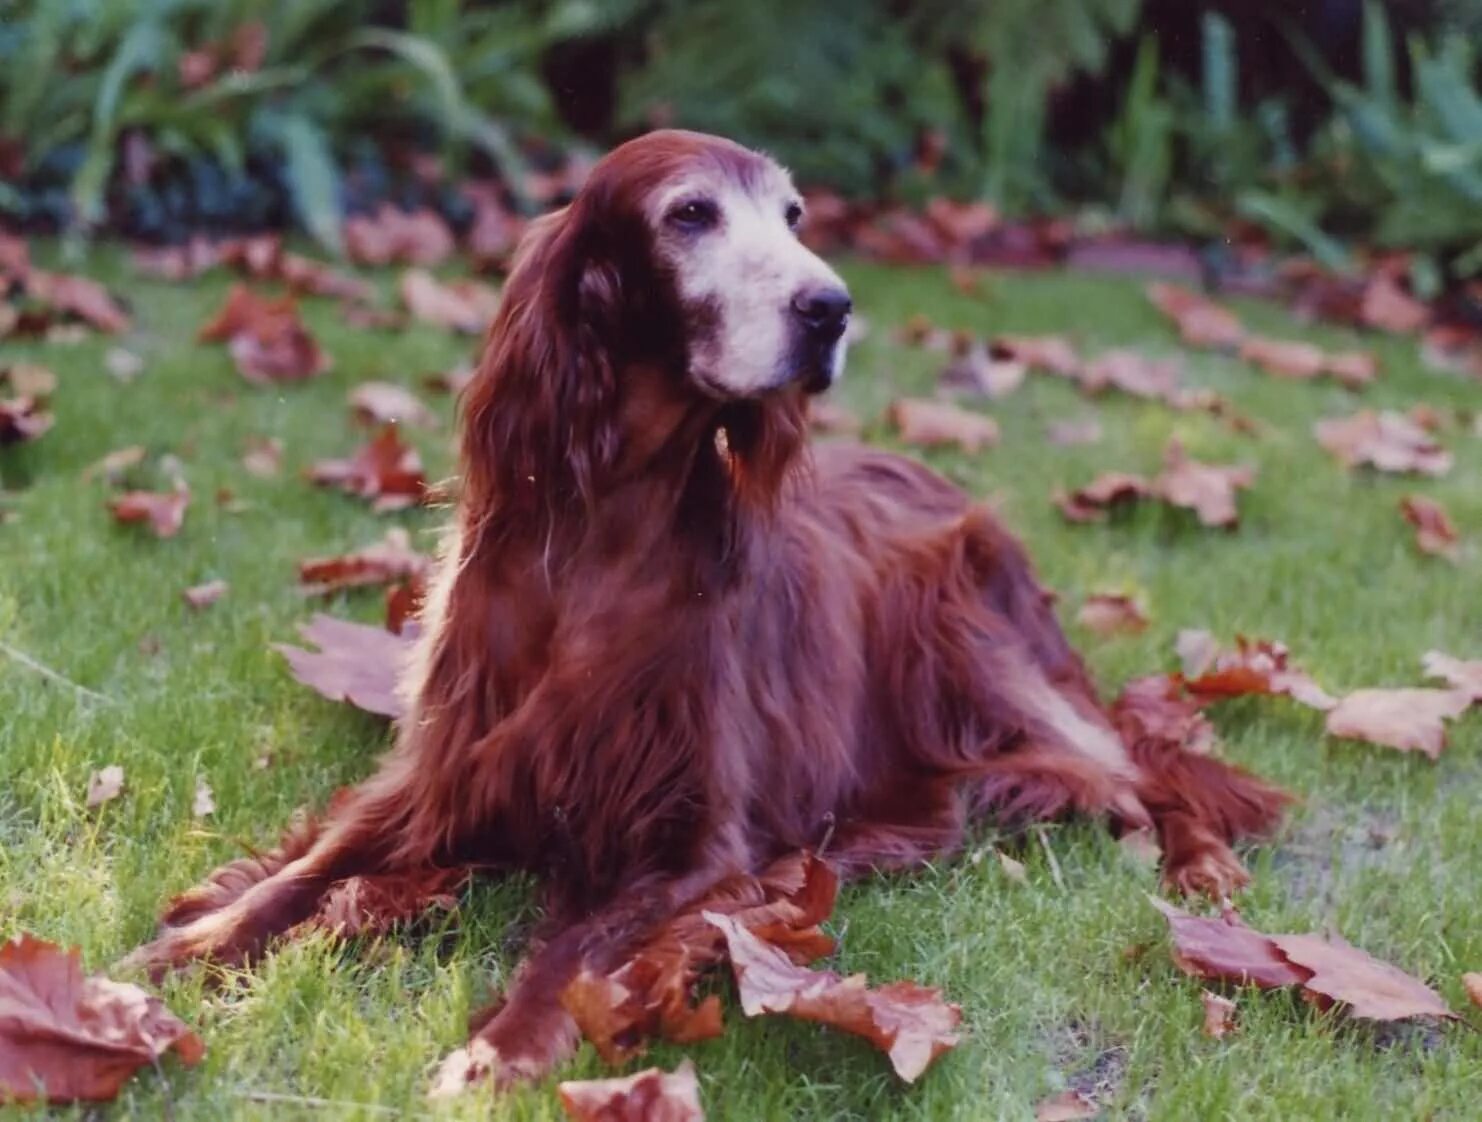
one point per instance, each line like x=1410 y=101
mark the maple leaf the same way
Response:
x=467 y=306
x=1352 y=369
x=1460 y=675
x=404 y=603
x=374 y=905
x=81 y=297
x=1052 y=354
x=1385 y=305
x=1200 y=321
x=385 y=470
x=1226 y=950
x=931 y=424
x=164 y=511
x=1386 y=441
x=974 y=370
x=69 y=1038
x=1092 y=502
x=263 y=456
x=1206 y=489
x=387 y=403
x=1132 y=373
x=495 y=230
x=1110 y=613
x=22 y=419
x=28 y=379
x=909 y=1022
x=1219 y=1015
x=651 y=1095
x=104 y=785
x=1255 y=666
x=267 y=340
x=1283 y=358
x=1369 y=988
x=204 y=595
x=1066 y=1106
x=393 y=236
x=391 y=559
x=1472 y=983
x=355 y=663
x=111 y=467
x=1434 y=532
x=1411 y=720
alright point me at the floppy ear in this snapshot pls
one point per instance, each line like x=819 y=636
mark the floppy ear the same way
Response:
x=539 y=419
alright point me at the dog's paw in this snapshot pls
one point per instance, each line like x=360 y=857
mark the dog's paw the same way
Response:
x=1216 y=873
x=507 y=1051
x=214 y=938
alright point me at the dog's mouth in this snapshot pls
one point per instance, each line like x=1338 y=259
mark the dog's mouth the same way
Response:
x=817 y=363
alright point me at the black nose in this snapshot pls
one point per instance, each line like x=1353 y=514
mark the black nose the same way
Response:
x=823 y=310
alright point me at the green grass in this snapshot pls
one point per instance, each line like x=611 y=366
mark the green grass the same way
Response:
x=1051 y=994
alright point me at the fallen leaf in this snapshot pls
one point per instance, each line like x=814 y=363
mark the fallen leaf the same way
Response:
x=1386 y=441
x=651 y=1095
x=911 y=1023
x=397 y=237
x=1209 y=490
x=456 y=380
x=1284 y=358
x=404 y=603
x=975 y=371
x=496 y=228
x=385 y=470
x=365 y=906
x=204 y=803
x=931 y=424
x=1196 y=651
x=1052 y=354
x=104 y=785
x=267 y=340
x=1133 y=373
x=1067 y=1106
x=163 y=510
x=81 y=297
x=1434 y=532
x=204 y=595
x=1369 y=988
x=1111 y=613
x=1464 y=676
x=1388 y=307
x=1226 y=950
x=1219 y=1015
x=1472 y=983
x=1353 y=369
x=1012 y=869
x=22 y=419
x=1200 y=321
x=387 y=403
x=1257 y=666
x=1141 y=848
x=29 y=379
x=112 y=467
x=391 y=559
x=1411 y=720
x=355 y=663
x=1092 y=502
x=263 y=456
x=1062 y=434
x=467 y=306
x=69 y=1038
x=123 y=365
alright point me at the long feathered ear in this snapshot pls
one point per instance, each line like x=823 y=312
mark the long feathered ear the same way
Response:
x=539 y=418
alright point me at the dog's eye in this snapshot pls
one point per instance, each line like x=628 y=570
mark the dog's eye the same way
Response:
x=696 y=214
x=794 y=215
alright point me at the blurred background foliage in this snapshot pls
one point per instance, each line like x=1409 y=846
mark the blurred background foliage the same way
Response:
x=1324 y=123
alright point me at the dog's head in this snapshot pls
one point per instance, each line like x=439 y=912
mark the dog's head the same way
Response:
x=679 y=253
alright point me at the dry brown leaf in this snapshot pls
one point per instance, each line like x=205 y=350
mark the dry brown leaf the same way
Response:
x=164 y=511
x=651 y=1095
x=975 y=371
x=397 y=237
x=355 y=663
x=374 y=905
x=1368 y=988
x=69 y=1038
x=1133 y=373
x=104 y=785
x=1219 y=1015
x=389 y=560
x=467 y=306
x=1387 y=441
x=380 y=403
x=1052 y=354
x=1353 y=369
x=1067 y=1106
x=29 y=379
x=1411 y=720
x=1208 y=490
x=1092 y=502
x=1434 y=532
x=267 y=340
x=204 y=595
x=931 y=424
x=1200 y=321
x=1226 y=950
x=910 y=1023
x=1284 y=358
x=111 y=468
x=85 y=299
x=1389 y=307
x=203 y=805
x=1472 y=983
x=1460 y=675
x=263 y=456
x=1111 y=613
x=385 y=471
x=1012 y=869
x=22 y=419
x=1255 y=666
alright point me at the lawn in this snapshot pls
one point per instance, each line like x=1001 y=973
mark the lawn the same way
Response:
x=1065 y=980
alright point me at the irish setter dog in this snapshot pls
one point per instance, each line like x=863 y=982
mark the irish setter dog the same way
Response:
x=670 y=641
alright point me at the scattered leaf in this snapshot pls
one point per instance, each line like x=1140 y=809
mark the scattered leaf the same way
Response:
x=263 y=456
x=1200 y=321
x=22 y=419
x=1052 y=354
x=163 y=510
x=1472 y=983
x=85 y=299
x=1196 y=651
x=1092 y=502
x=911 y=1023
x=975 y=371
x=266 y=338
x=1207 y=489
x=366 y=906
x=1111 y=613
x=1283 y=358
x=104 y=785
x=1411 y=720
x=397 y=237
x=355 y=663
x=1369 y=988
x=204 y=803
x=467 y=306
x=651 y=1095
x=391 y=559
x=204 y=595
x=1219 y=1015
x=1434 y=532
x=1012 y=869
x=69 y=1038
x=380 y=403
x=1256 y=666
x=1386 y=441
x=1463 y=676
x=1388 y=307
x=1067 y=1106
x=385 y=470
x=1226 y=950
x=29 y=379
x=1133 y=373
x=931 y=424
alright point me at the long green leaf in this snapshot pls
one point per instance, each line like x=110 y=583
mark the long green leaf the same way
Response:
x=1379 y=55
x=1278 y=214
x=1220 y=70
x=313 y=179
